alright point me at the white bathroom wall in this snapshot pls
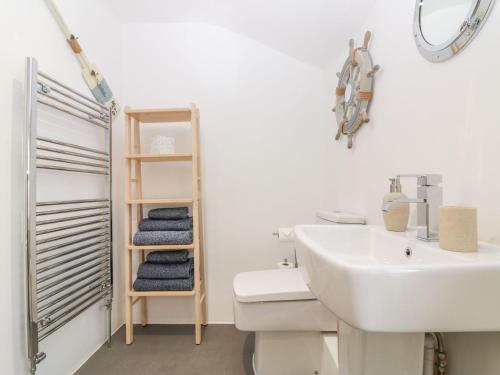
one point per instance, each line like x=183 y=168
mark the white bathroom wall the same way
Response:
x=267 y=143
x=306 y=30
x=262 y=131
x=27 y=29
x=426 y=118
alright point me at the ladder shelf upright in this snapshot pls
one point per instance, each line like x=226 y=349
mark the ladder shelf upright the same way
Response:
x=134 y=199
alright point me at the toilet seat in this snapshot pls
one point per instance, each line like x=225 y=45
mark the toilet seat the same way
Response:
x=278 y=300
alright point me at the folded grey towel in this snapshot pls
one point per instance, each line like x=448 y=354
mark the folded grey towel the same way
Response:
x=157 y=224
x=165 y=257
x=163 y=238
x=166 y=271
x=169 y=213
x=145 y=285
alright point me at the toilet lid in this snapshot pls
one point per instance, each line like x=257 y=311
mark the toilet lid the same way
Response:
x=271 y=285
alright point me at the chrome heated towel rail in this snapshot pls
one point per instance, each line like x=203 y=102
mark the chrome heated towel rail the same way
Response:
x=69 y=241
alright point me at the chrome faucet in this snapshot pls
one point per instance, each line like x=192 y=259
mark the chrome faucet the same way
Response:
x=429 y=198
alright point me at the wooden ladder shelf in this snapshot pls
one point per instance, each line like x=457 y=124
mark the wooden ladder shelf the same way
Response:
x=134 y=157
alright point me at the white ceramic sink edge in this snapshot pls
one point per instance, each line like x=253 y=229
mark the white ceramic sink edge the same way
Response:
x=365 y=276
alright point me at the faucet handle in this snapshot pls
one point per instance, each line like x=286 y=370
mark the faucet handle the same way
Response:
x=425 y=179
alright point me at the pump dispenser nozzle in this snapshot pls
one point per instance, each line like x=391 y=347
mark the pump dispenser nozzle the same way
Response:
x=395 y=185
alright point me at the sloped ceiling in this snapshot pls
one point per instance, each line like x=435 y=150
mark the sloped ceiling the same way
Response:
x=313 y=31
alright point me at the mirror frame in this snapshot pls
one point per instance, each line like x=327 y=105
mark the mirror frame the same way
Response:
x=462 y=37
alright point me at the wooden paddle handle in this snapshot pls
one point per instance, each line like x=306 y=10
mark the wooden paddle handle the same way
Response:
x=73 y=43
x=368 y=36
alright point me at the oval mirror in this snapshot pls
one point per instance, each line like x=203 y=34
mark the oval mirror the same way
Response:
x=442 y=28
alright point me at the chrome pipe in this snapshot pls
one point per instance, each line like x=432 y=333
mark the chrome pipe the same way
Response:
x=75 y=250
x=77 y=201
x=75 y=297
x=72 y=226
x=48 y=321
x=71 y=153
x=45 y=323
x=65 y=94
x=89 y=120
x=68 y=104
x=72 y=145
x=110 y=197
x=73 y=308
x=65 y=169
x=69 y=161
x=53 y=80
x=88 y=285
x=100 y=251
x=69 y=243
x=109 y=307
x=100 y=274
x=29 y=214
x=69 y=235
x=82 y=308
x=66 y=210
x=69 y=218
x=43 y=279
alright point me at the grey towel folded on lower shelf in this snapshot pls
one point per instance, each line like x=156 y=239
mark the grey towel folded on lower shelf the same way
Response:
x=169 y=213
x=147 y=285
x=157 y=224
x=184 y=237
x=165 y=257
x=165 y=271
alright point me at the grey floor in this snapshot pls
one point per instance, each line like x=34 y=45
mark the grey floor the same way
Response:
x=170 y=350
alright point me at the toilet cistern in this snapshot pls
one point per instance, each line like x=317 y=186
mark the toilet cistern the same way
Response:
x=429 y=198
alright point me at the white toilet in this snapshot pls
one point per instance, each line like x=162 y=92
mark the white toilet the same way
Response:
x=287 y=318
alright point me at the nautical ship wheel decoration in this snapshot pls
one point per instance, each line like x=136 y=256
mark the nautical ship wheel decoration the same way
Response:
x=354 y=90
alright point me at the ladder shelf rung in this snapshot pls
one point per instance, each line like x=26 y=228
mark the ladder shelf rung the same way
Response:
x=161 y=201
x=160 y=293
x=160 y=114
x=160 y=157
x=161 y=247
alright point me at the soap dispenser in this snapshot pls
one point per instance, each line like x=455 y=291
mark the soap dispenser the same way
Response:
x=396 y=219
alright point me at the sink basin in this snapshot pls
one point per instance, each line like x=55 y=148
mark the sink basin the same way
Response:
x=381 y=281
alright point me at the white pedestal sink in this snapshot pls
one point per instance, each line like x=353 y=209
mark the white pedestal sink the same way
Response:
x=381 y=282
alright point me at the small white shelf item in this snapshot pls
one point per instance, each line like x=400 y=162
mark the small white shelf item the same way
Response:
x=161 y=144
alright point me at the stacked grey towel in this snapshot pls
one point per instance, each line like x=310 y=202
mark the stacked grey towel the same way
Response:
x=165 y=226
x=165 y=270
x=171 y=270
